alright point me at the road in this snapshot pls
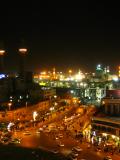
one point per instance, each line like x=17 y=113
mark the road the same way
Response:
x=48 y=141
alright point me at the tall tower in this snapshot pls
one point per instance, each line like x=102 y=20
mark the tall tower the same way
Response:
x=54 y=73
x=2 y=54
x=22 y=55
x=99 y=70
x=119 y=71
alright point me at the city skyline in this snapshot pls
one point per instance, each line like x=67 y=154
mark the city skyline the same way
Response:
x=68 y=36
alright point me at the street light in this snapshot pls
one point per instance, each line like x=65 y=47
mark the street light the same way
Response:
x=35 y=115
x=70 y=72
x=9 y=105
x=26 y=103
x=52 y=109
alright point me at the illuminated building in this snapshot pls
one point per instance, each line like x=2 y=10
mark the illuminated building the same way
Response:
x=99 y=70
x=48 y=93
x=107 y=122
x=111 y=103
x=54 y=74
x=108 y=125
x=79 y=76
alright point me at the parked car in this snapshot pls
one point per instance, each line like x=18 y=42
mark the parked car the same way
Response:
x=60 y=136
x=27 y=133
x=40 y=129
x=55 y=151
x=77 y=148
x=15 y=141
x=98 y=149
x=56 y=138
x=61 y=145
x=107 y=158
x=74 y=154
x=72 y=158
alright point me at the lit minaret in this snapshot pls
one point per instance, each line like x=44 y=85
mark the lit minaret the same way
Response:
x=119 y=71
x=54 y=73
x=22 y=53
x=2 y=54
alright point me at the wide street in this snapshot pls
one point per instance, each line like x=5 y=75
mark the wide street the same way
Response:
x=57 y=135
x=47 y=141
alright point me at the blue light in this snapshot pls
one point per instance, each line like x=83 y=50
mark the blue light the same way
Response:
x=2 y=76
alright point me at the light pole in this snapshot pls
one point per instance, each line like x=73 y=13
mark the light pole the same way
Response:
x=35 y=114
x=9 y=106
x=70 y=72
x=26 y=103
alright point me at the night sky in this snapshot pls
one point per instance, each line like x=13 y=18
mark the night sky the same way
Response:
x=62 y=35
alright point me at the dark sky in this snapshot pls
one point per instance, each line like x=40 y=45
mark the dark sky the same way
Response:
x=65 y=35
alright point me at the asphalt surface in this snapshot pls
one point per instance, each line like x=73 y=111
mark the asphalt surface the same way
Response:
x=40 y=146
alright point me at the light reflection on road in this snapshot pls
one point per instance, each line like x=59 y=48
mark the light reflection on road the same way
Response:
x=36 y=140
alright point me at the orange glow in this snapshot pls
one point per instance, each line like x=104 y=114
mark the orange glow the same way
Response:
x=70 y=71
x=119 y=71
x=23 y=50
x=43 y=73
x=36 y=76
x=2 y=52
x=9 y=105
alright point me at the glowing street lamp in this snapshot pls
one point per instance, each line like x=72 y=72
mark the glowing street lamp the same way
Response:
x=52 y=109
x=70 y=71
x=9 y=105
x=35 y=115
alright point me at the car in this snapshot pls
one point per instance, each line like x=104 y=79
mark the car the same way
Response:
x=56 y=138
x=107 y=158
x=38 y=132
x=98 y=149
x=61 y=145
x=72 y=158
x=74 y=154
x=27 y=133
x=46 y=130
x=5 y=140
x=15 y=141
x=60 y=136
x=55 y=151
x=40 y=129
x=77 y=148
x=44 y=126
x=88 y=146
